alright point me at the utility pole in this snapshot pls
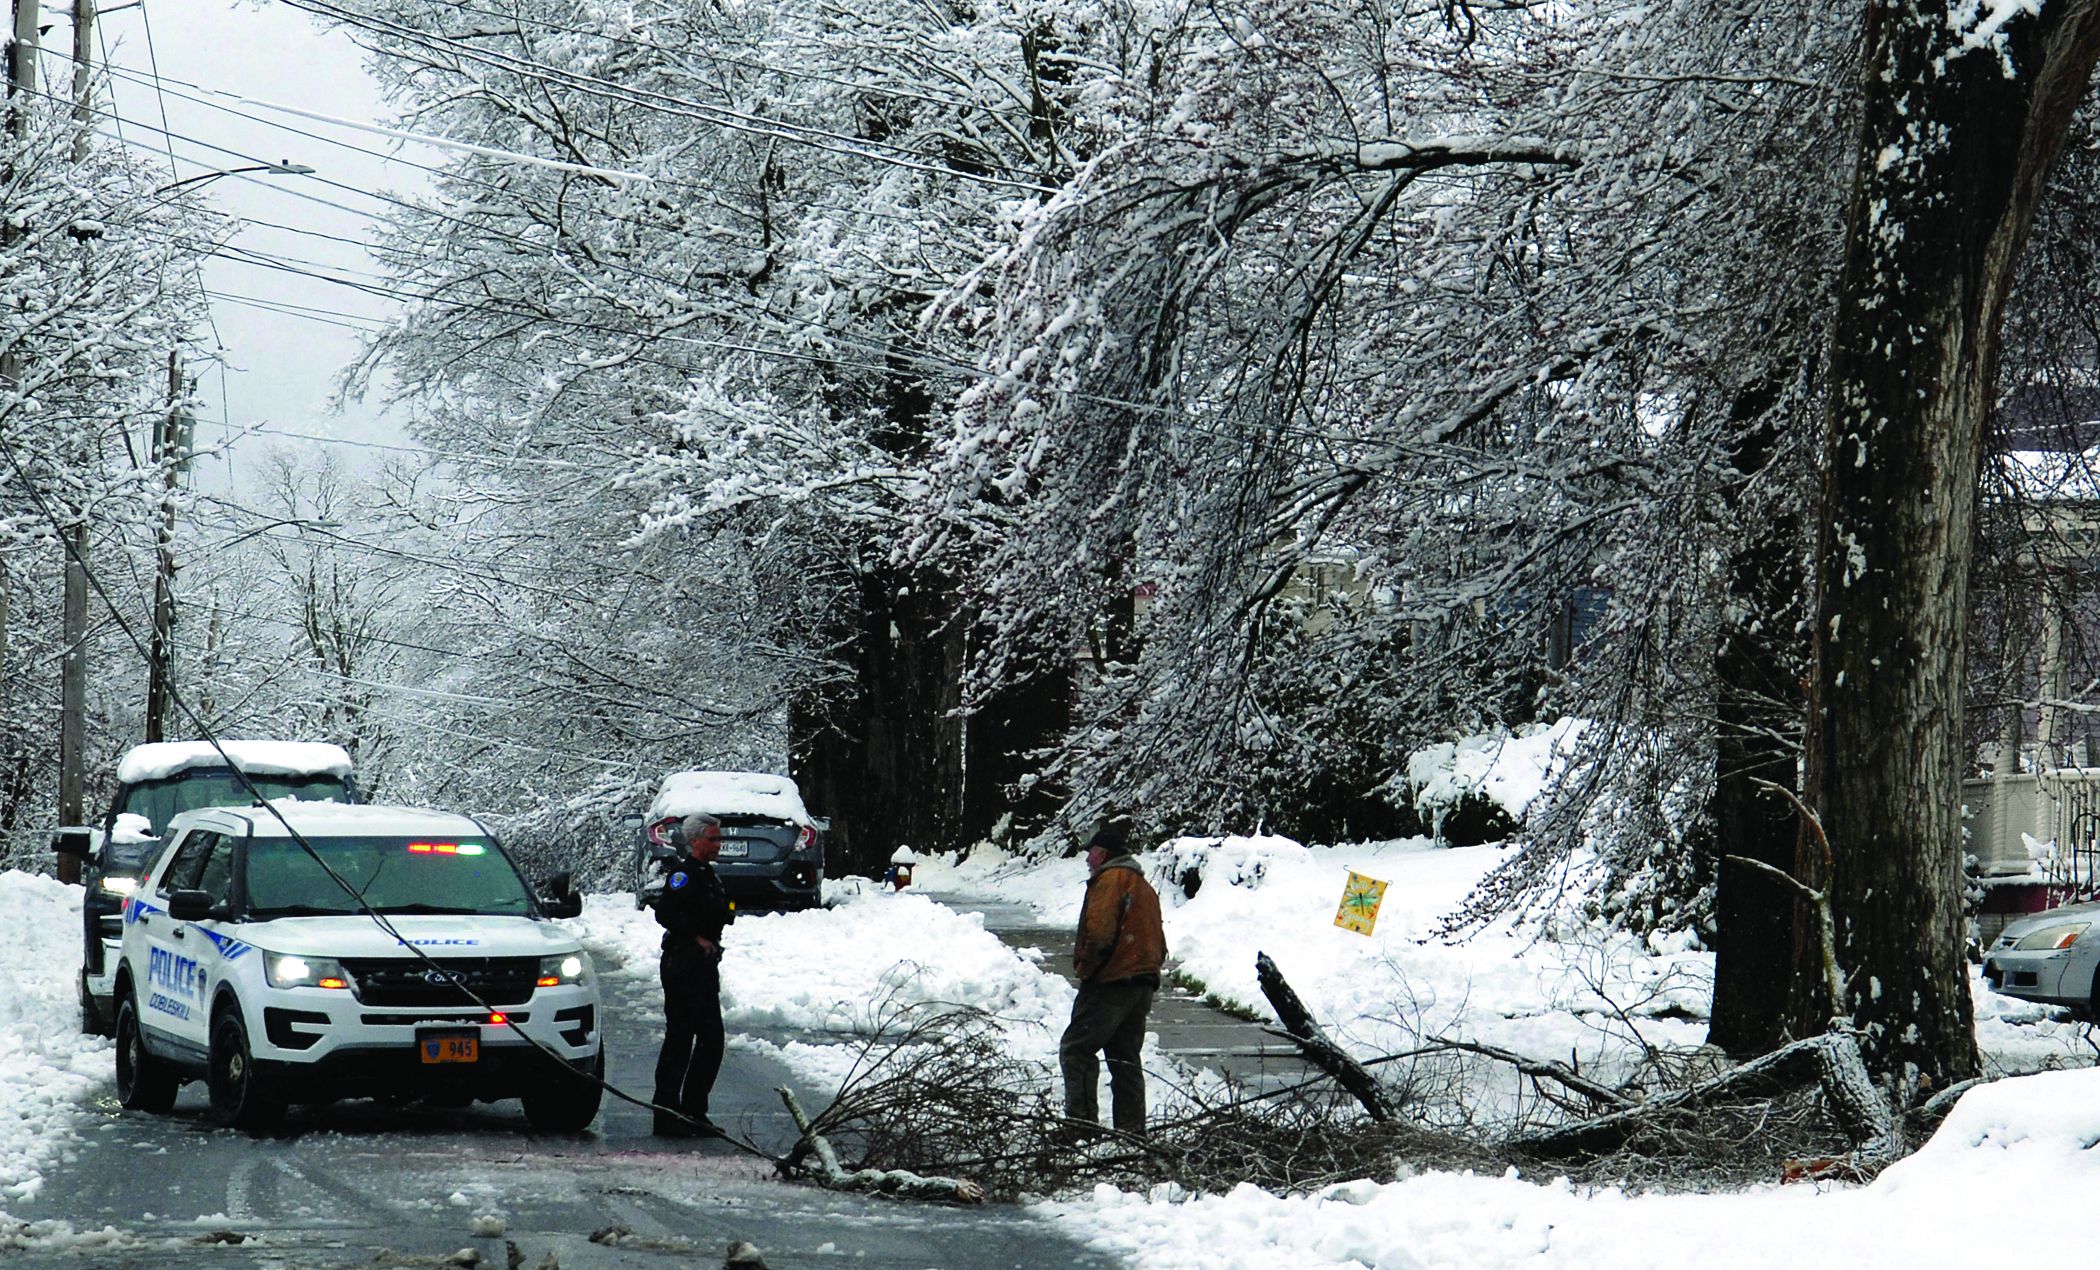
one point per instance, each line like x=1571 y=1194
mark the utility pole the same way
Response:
x=166 y=448
x=83 y=85
x=72 y=691
x=21 y=84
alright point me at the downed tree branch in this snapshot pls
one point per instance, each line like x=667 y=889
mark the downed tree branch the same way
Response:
x=1312 y=1041
x=1542 y=1069
x=1832 y=1060
x=827 y=1171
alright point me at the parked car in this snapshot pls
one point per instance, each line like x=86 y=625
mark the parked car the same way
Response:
x=772 y=849
x=155 y=783
x=382 y=951
x=2051 y=957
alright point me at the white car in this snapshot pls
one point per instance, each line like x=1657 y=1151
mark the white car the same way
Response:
x=417 y=963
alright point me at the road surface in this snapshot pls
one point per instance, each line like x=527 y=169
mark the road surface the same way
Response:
x=361 y=1184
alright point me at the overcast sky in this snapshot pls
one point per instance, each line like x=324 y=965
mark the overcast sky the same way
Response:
x=284 y=336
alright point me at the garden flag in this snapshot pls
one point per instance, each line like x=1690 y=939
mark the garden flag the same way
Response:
x=1360 y=899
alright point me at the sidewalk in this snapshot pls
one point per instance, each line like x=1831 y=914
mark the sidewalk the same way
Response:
x=1198 y=1034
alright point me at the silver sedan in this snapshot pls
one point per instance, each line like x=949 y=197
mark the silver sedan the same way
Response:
x=2050 y=957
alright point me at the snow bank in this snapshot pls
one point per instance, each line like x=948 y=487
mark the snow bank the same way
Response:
x=49 y=1072
x=1507 y=986
x=2031 y=1136
x=835 y=969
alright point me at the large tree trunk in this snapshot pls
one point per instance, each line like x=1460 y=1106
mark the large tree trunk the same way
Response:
x=1954 y=149
x=883 y=756
x=1757 y=667
x=1006 y=735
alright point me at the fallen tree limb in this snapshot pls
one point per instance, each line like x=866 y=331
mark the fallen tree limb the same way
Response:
x=1313 y=1042
x=1831 y=1060
x=1542 y=1069
x=827 y=1171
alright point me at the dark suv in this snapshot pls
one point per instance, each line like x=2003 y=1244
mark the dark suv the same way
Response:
x=772 y=848
x=155 y=783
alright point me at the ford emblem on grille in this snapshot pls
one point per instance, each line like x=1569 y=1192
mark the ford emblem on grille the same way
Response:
x=442 y=977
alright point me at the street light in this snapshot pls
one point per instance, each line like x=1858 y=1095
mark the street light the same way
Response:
x=282 y=168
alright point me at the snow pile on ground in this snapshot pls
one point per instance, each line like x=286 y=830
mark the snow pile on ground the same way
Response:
x=835 y=969
x=2028 y=1136
x=842 y=972
x=1551 y=991
x=49 y=1072
x=1509 y=986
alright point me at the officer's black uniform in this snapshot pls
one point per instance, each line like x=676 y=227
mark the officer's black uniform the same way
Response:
x=693 y=903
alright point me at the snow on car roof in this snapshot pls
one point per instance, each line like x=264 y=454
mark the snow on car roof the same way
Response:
x=318 y=819
x=162 y=759
x=730 y=794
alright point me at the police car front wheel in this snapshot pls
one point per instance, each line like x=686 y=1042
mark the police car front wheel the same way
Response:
x=566 y=1100
x=239 y=1097
x=144 y=1083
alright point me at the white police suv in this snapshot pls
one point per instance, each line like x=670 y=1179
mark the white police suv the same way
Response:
x=417 y=963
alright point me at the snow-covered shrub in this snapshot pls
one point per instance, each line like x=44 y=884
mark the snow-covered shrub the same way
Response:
x=1477 y=789
x=1183 y=866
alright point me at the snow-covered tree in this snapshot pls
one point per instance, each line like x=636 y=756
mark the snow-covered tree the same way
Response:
x=678 y=365
x=96 y=289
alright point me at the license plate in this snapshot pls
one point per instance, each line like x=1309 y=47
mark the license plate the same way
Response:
x=735 y=849
x=449 y=1047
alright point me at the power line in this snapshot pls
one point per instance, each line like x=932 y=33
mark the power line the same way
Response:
x=447 y=173
x=719 y=115
x=891 y=353
x=784 y=72
x=917 y=360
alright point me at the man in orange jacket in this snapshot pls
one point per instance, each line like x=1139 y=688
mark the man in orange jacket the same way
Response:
x=1118 y=954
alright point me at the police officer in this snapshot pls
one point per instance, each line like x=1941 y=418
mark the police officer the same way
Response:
x=693 y=909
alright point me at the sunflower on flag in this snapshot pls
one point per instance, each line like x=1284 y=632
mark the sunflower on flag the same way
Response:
x=1361 y=897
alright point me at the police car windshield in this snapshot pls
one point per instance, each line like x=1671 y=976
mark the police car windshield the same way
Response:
x=392 y=874
x=160 y=801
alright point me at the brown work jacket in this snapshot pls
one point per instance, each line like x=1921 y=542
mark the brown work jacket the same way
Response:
x=1119 y=932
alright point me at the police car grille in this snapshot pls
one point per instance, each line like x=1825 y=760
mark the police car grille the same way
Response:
x=443 y=980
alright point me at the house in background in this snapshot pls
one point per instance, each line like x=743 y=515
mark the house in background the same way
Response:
x=2031 y=816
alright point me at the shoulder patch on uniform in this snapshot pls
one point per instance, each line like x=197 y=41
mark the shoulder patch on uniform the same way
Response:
x=677 y=880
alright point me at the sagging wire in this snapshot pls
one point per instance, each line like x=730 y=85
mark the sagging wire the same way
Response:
x=378 y=918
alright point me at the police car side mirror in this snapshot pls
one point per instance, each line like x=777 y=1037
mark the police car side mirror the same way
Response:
x=190 y=906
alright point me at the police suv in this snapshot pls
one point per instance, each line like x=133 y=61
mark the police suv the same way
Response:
x=417 y=962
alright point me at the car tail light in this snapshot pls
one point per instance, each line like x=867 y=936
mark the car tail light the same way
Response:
x=805 y=838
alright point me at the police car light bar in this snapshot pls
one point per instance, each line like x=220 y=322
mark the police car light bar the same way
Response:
x=446 y=848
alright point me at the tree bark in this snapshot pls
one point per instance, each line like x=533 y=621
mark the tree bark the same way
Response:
x=883 y=756
x=1004 y=736
x=1954 y=149
x=1757 y=668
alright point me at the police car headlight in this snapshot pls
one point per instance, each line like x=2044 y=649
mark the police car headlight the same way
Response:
x=289 y=970
x=564 y=968
x=119 y=883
